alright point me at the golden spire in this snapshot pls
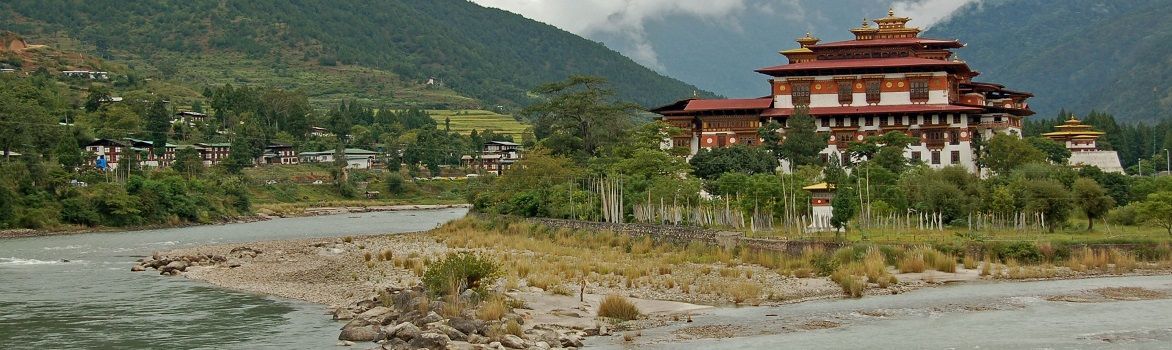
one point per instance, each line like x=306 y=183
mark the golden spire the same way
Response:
x=890 y=12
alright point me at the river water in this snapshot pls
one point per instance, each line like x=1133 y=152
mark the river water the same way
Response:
x=93 y=301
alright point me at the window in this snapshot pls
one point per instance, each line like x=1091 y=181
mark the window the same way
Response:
x=916 y=156
x=954 y=138
x=825 y=122
x=801 y=96
x=935 y=157
x=873 y=91
x=955 y=157
x=919 y=90
x=846 y=92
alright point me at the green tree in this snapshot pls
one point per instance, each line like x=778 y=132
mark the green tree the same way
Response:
x=843 y=207
x=884 y=150
x=1003 y=153
x=1049 y=198
x=802 y=141
x=1157 y=209
x=1056 y=152
x=580 y=111
x=710 y=164
x=158 y=126
x=395 y=183
x=188 y=162
x=1092 y=199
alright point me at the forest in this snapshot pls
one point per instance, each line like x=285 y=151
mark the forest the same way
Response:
x=487 y=54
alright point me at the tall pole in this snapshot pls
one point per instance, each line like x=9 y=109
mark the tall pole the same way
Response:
x=1140 y=163
x=1168 y=160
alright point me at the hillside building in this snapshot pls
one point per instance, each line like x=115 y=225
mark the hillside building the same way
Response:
x=1081 y=139
x=494 y=158
x=886 y=79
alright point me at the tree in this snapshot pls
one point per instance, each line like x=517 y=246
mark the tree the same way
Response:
x=1092 y=199
x=842 y=208
x=1003 y=153
x=97 y=96
x=710 y=164
x=1157 y=209
x=394 y=183
x=188 y=162
x=1056 y=152
x=1049 y=198
x=581 y=109
x=885 y=150
x=802 y=141
x=158 y=127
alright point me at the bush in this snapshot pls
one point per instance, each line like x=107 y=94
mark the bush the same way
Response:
x=458 y=272
x=1021 y=251
x=618 y=307
x=395 y=183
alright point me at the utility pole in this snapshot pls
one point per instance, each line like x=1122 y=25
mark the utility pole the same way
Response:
x=1140 y=163
x=1168 y=161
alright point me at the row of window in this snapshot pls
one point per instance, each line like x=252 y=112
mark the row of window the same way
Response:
x=935 y=157
x=885 y=121
x=846 y=89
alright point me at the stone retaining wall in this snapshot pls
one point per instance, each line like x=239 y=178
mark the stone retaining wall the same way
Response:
x=688 y=234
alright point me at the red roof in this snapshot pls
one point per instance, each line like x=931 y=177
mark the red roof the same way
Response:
x=782 y=112
x=886 y=42
x=861 y=63
x=729 y=104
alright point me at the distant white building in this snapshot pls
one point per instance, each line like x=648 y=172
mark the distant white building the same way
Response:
x=85 y=74
x=356 y=158
x=494 y=158
x=1080 y=139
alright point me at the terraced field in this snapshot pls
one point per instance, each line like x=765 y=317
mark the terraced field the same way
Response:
x=465 y=120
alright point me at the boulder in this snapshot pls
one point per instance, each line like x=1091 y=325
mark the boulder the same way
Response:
x=495 y=345
x=512 y=341
x=477 y=339
x=431 y=317
x=177 y=265
x=343 y=314
x=452 y=333
x=468 y=326
x=430 y=340
x=542 y=345
x=375 y=313
x=137 y=268
x=360 y=333
x=570 y=340
x=395 y=344
x=405 y=331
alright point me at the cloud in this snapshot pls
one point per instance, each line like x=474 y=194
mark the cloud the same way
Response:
x=626 y=18
x=925 y=13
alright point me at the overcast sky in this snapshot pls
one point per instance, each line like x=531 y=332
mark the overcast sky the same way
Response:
x=628 y=17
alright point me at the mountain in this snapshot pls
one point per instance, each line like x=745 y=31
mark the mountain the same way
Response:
x=1079 y=55
x=376 y=50
x=721 y=55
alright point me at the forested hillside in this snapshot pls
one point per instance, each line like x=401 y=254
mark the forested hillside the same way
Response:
x=1080 y=55
x=365 y=49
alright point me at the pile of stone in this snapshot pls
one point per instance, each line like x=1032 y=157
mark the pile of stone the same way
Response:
x=406 y=318
x=168 y=265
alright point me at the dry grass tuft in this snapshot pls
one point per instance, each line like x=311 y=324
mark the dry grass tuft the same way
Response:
x=743 y=291
x=618 y=307
x=492 y=309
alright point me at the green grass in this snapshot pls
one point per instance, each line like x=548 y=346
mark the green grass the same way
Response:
x=295 y=188
x=464 y=121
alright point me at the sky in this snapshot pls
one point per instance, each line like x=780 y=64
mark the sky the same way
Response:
x=628 y=18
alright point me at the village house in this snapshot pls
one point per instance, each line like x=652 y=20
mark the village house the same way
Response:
x=111 y=152
x=356 y=158
x=85 y=74
x=189 y=118
x=886 y=79
x=494 y=158
x=316 y=131
x=213 y=153
x=279 y=153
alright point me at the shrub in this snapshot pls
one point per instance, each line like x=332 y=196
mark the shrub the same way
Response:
x=1020 y=251
x=618 y=307
x=851 y=278
x=464 y=269
x=493 y=309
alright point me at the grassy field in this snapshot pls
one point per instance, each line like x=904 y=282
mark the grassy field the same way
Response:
x=465 y=120
x=1075 y=234
x=294 y=187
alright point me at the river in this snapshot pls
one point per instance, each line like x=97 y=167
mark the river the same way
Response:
x=971 y=315
x=93 y=301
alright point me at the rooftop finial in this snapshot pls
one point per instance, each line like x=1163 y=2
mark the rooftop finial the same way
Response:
x=866 y=23
x=890 y=12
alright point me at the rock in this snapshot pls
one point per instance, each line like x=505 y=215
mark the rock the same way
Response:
x=477 y=339
x=468 y=326
x=495 y=345
x=360 y=333
x=395 y=344
x=176 y=266
x=469 y=295
x=542 y=345
x=405 y=331
x=431 y=317
x=430 y=340
x=137 y=268
x=512 y=341
x=452 y=333
x=343 y=314
x=241 y=252
x=375 y=313
x=345 y=343
x=568 y=340
x=357 y=322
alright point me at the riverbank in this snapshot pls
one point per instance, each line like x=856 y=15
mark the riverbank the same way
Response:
x=561 y=274
x=262 y=215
